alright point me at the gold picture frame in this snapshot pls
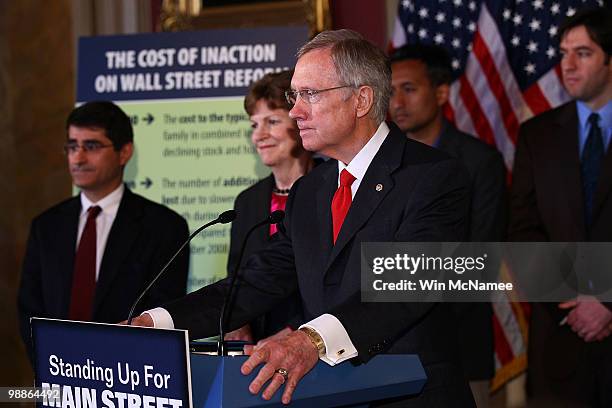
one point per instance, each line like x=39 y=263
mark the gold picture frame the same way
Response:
x=185 y=15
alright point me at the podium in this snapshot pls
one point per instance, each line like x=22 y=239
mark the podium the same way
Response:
x=217 y=382
x=153 y=367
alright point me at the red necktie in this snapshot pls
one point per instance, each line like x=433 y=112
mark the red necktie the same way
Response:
x=342 y=201
x=84 y=277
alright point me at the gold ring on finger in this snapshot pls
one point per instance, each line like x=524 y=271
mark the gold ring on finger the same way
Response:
x=283 y=372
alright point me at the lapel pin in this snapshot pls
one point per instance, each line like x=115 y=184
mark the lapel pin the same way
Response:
x=379 y=187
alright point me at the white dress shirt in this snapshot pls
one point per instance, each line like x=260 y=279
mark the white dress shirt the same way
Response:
x=104 y=221
x=338 y=345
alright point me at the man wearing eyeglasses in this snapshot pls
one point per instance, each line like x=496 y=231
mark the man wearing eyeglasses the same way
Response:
x=380 y=187
x=89 y=257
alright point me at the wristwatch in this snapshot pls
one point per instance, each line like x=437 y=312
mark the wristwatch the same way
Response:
x=316 y=340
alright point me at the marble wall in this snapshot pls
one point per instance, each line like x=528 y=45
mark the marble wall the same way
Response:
x=36 y=94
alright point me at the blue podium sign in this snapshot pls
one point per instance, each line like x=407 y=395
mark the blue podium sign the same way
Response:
x=102 y=365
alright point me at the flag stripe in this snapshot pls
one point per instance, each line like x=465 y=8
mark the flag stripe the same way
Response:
x=521 y=312
x=489 y=33
x=463 y=118
x=490 y=107
x=536 y=99
x=551 y=88
x=472 y=106
x=496 y=87
x=503 y=350
x=509 y=324
x=399 y=34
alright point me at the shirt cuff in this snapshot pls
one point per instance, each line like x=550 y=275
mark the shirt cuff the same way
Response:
x=338 y=345
x=161 y=318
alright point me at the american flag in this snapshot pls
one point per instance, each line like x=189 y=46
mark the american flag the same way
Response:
x=505 y=63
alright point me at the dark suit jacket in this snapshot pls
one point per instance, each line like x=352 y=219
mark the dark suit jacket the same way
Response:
x=142 y=238
x=487 y=223
x=252 y=206
x=547 y=205
x=547 y=202
x=425 y=197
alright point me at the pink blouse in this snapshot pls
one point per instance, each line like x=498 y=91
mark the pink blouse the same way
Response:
x=278 y=203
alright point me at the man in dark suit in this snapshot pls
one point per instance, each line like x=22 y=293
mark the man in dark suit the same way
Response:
x=380 y=187
x=561 y=192
x=420 y=82
x=75 y=269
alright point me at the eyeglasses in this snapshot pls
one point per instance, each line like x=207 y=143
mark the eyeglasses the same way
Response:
x=309 y=96
x=88 y=146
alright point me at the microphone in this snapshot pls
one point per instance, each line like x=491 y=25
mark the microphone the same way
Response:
x=223 y=218
x=274 y=218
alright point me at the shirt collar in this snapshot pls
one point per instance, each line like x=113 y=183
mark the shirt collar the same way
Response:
x=360 y=163
x=605 y=114
x=108 y=204
x=443 y=129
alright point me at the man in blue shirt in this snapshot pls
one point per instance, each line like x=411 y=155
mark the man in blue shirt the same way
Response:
x=561 y=192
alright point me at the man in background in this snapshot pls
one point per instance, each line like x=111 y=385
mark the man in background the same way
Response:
x=420 y=81
x=89 y=257
x=561 y=192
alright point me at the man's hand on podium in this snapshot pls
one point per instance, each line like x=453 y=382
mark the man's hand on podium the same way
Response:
x=248 y=349
x=293 y=352
x=143 y=320
x=288 y=350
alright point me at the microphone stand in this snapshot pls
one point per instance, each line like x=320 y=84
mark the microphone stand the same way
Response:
x=274 y=218
x=223 y=218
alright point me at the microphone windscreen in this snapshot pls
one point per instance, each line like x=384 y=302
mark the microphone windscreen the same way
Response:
x=227 y=216
x=276 y=216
